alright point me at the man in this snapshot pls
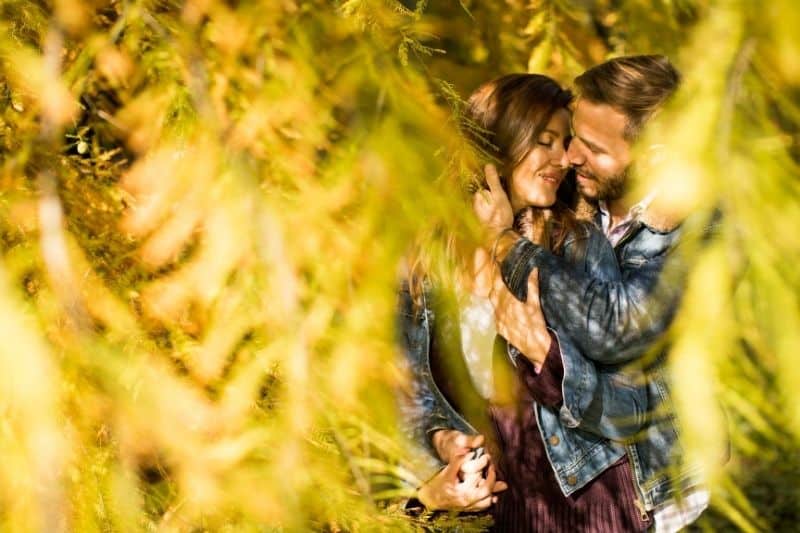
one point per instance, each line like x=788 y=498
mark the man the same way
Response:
x=612 y=322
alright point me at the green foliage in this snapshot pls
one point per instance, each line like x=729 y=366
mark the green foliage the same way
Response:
x=204 y=206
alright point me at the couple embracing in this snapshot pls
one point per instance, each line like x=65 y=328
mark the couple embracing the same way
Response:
x=533 y=378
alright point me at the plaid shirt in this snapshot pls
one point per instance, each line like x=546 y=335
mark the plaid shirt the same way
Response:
x=616 y=233
x=673 y=515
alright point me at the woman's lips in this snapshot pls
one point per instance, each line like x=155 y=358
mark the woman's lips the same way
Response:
x=554 y=179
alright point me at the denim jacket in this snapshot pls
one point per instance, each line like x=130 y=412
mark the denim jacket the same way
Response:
x=603 y=404
x=614 y=321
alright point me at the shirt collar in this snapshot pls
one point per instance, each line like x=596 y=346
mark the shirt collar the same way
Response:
x=633 y=215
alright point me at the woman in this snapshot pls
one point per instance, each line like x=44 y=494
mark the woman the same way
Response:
x=536 y=399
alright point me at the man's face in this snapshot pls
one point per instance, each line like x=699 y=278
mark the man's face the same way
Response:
x=598 y=151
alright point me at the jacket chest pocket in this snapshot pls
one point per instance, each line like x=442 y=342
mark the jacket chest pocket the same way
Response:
x=633 y=260
x=645 y=247
x=636 y=256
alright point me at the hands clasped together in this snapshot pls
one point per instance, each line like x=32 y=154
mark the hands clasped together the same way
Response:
x=465 y=483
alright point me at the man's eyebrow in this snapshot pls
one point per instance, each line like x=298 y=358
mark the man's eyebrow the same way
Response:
x=591 y=145
x=594 y=147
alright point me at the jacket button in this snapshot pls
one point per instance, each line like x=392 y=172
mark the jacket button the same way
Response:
x=554 y=440
x=572 y=480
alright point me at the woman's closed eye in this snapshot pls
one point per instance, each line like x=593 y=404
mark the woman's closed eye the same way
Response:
x=546 y=140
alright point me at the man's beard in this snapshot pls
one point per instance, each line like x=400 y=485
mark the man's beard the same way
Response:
x=610 y=188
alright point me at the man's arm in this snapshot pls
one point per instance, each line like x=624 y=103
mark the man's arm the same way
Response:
x=613 y=406
x=610 y=321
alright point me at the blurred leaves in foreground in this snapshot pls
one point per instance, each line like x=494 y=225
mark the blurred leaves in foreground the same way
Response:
x=203 y=206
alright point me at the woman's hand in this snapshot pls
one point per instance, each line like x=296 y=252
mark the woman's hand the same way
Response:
x=522 y=323
x=450 y=444
x=492 y=206
x=445 y=491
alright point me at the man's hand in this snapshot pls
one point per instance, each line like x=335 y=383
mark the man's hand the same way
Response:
x=493 y=207
x=451 y=444
x=444 y=491
x=522 y=323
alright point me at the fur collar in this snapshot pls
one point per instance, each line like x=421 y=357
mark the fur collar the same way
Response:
x=655 y=215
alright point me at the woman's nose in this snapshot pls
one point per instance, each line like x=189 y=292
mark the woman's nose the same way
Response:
x=559 y=157
x=573 y=154
x=564 y=160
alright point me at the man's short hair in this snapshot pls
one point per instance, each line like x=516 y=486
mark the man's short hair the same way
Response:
x=636 y=86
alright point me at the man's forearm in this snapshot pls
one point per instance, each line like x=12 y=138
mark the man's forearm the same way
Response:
x=609 y=320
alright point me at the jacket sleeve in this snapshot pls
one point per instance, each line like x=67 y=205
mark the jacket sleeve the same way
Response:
x=611 y=320
x=607 y=400
x=544 y=386
x=422 y=410
x=618 y=409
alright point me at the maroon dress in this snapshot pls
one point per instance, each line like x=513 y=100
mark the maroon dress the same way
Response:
x=534 y=501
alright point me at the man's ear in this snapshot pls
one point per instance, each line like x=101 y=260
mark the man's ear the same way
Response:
x=656 y=154
x=649 y=159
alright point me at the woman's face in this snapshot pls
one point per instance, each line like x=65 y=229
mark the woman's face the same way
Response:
x=536 y=179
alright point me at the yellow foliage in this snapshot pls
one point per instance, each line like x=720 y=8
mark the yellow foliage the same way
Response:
x=203 y=210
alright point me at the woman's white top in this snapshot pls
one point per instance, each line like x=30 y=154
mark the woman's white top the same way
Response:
x=477 y=339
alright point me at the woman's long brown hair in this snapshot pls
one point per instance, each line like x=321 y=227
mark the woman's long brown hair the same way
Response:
x=502 y=120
